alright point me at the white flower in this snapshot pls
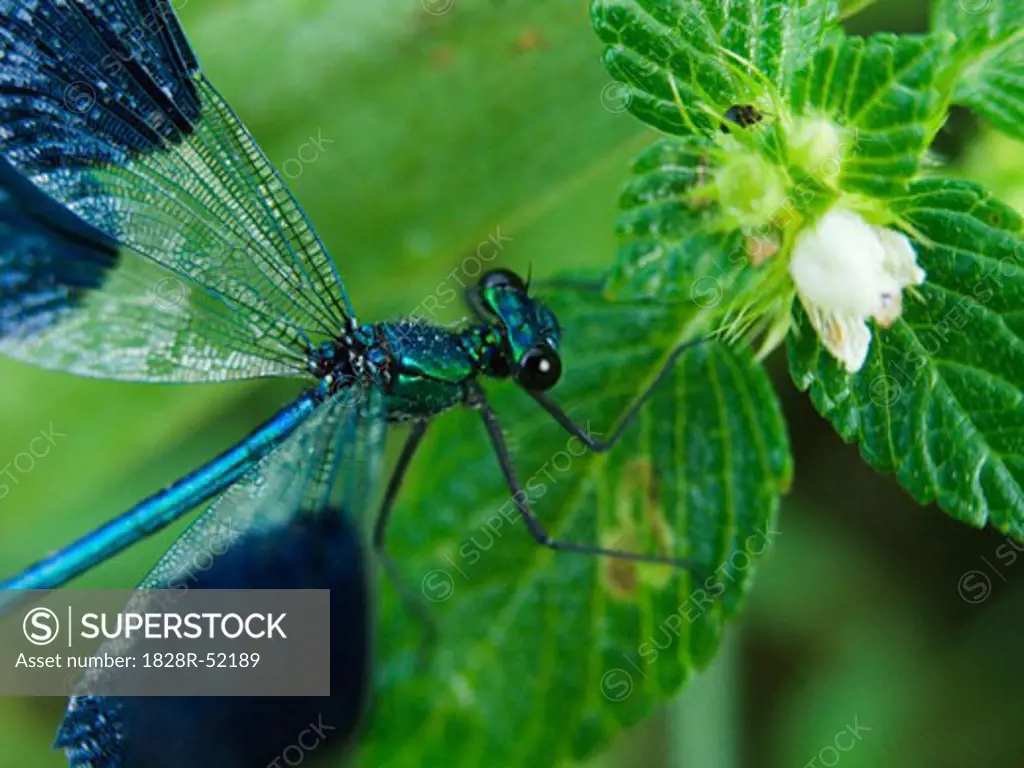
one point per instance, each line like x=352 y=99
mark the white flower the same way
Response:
x=847 y=271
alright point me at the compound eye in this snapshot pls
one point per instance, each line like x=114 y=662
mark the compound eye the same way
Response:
x=539 y=369
x=502 y=278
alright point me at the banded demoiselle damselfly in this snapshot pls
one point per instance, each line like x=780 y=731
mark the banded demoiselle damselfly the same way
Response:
x=120 y=167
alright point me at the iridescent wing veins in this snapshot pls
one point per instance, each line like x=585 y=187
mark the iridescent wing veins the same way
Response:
x=195 y=253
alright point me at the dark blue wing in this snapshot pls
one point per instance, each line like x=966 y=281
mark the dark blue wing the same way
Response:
x=103 y=108
x=72 y=299
x=49 y=258
x=104 y=732
x=293 y=523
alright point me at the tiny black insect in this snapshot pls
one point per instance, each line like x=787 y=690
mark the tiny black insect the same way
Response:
x=743 y=115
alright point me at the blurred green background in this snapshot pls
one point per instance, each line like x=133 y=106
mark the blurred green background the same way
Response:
x=437 y=130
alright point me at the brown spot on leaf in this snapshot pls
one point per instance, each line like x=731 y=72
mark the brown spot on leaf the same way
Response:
x=760 y=248
x=620 y=576
x=529 y=40
x=641 y=527
x=442 y=56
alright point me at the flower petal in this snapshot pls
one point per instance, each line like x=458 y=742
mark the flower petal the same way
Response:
x=900 y=257
x=846 y=337
x=839 y=265
x=847 y=271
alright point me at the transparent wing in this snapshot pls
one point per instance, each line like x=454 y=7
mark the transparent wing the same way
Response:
x=289 y=523
x=72 y=299
x=332 y=462
x=103 y=108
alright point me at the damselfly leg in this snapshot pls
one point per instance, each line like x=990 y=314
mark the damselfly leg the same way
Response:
x=412 y=602
x=602 y=446
x=519 y=496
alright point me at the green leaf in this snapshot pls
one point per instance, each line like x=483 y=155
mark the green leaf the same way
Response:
x=671 y=56
x=529 y=638
x=989 y=61
x=850 y=8
x=670 y=248
x=883 y=91
x=673 y=247
x=939 y=400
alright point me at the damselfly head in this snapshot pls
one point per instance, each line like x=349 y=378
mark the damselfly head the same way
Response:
x=530 y=330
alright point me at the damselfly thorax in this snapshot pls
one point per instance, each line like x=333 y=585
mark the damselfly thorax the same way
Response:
x=425 y=369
